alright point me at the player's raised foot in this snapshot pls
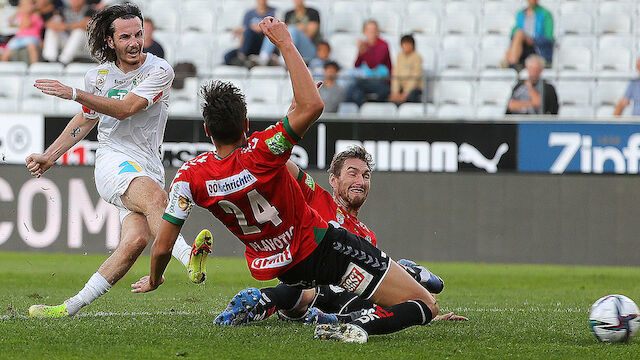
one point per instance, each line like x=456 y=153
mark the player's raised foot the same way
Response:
x=237 y=312
x=430 y=281
x=349 y=333
x=197 y=266
x=315 y=316
x=44 y=311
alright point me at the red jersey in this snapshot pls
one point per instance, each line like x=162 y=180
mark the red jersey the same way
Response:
x=251 y=192
x=324 y=203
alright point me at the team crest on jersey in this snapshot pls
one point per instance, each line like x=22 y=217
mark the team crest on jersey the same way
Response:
x=339 y=216
x=278 y=144
x=101 y=78
x=310 y=182
x=183 y=203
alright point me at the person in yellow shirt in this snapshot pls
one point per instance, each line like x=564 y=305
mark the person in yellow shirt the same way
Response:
x=406 y=82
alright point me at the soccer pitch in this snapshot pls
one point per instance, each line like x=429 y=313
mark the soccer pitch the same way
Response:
x=515 y=311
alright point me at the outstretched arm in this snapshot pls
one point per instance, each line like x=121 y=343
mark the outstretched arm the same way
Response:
x=309 y=105
x=119 y=109
x=76 y=130
x=160 y=257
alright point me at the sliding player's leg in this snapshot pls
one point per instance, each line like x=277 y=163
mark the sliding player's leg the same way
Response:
x=146 y=196
x=135 y=236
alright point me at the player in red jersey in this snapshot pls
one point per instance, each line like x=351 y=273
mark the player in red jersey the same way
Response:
x=246 y=185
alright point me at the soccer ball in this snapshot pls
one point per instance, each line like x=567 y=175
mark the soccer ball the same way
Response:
x=614 y=318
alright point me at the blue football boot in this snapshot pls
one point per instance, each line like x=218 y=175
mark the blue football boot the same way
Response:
x=237 y=312
x=430 y=281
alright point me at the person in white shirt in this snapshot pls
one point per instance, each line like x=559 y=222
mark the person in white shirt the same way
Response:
x=127 y=95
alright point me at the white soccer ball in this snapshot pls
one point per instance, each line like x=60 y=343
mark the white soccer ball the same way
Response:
x=614 y=318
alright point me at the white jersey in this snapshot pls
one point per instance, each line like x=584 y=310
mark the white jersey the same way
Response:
x=141 y=134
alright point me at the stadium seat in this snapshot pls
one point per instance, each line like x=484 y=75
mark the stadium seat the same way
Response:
x=388 y=23
x=34 y=100
x=202 y=20
x=613 y=41
x=456 y=59
x=428 y=54
x=195 y=47
x=614 y=24
x=614 y=58
x=493 y=92
x=10 y=92
x=224 y=71
x=189 y=91
x=588 y=41
x=66 y=107
x=490 y=58
x=578 y=23
x=487 y=112
x=230 y=15
x=463 y=23
x=606 y=111
x=510 y=7
x=286 y=91
x=184 y=108
x=345 y=23
x=547 y=74
x=573 y=93
x=372 y=109
x=349 y=7
x=13 y=67
x=396 y=7
x=617 y=7
x=344 y=49
x=452 y=112
x=260 y=110
x=425 y=7
x=457 y=42
x=79 y=68
x=498 y=23
x=453 y=8
x=577 y=112
x=570 y=7
x=609 y=92
x=412 y=110
x=421 y=23
x=164 y=18
x=348 y=108
x=199 y=5
x=46 y=69
x=574 y=58
x=457 y=92
x=263 y=90
x=500 y=74
x=270 y=72
x=495 y=41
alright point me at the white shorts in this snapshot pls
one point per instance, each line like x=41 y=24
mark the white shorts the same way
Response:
x=115 y=170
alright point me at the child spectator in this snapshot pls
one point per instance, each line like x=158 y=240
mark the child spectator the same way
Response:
x=406 y=82
x=30 y=26
x=322 y=58
x=331 y=92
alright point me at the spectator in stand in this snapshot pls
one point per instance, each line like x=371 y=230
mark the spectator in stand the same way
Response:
x=632 y=93
x=67 y=32
x=534 y=95
x=372 y=67
x=251 y=35
x=532 y=34
x=304 y=27
x=150 y=45
x=331 y=92
x=316 y=65
x=30 y=26
x=406 y=82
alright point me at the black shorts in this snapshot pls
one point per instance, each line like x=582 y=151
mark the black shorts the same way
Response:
x=341 y=259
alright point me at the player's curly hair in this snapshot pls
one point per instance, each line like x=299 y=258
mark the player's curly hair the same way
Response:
x=352 y=152
x=101 y=27
x=224 y=111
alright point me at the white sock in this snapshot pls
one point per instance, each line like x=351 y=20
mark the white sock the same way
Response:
x=92 y=290
x=181 y=250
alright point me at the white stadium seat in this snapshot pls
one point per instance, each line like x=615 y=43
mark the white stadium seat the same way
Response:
x=263 y=90
x=425 y=7
x=344 y=49
x=201 y=20
x=485 y=112
x=453 y=8
x=372 y=109
x=164 y=19
x=79 y=68
x=411 y=110
x=265 y=110
x=573 y=93
x=348 y=108
x=458 y=92
x=575 y=24
x=617 y=7
x=463 y=23
x=46 y=69
x=13 y=67
x=230 y=15
x=199 y=5
x=614 y=24
x=224 y=71
x=10 y=92
x=507 y=74
x=455 y=112
x=490 y=58
x=271 y=72
x=575 y=58
x=493 y=92
x=495 y=41
x=421 y=23
x=428 y=54
x=388 y=23
x=498 y=23
x=33 y=98
x=349 y=7
x=577 y=112
x=614 y=58
x=569 y=7
x=613 y=41
x=66 y=107
x=590 y=42
x=609 y=92
x=456 y=59
x=457 y=42
x=345 y=23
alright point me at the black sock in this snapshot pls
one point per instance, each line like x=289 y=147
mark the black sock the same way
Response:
x=275 y=298
x=378 y=320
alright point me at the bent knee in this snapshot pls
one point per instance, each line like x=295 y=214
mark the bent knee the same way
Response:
x=136 y=245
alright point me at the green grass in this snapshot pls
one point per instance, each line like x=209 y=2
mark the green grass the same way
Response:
x=515 y=311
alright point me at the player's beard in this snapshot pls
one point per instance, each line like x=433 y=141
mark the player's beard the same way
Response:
x=354 y=200
x=125 y=55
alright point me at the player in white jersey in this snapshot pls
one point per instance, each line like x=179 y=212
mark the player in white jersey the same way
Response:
x=127 y=95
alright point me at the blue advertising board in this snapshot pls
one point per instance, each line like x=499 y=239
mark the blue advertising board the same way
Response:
x=578 y=148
